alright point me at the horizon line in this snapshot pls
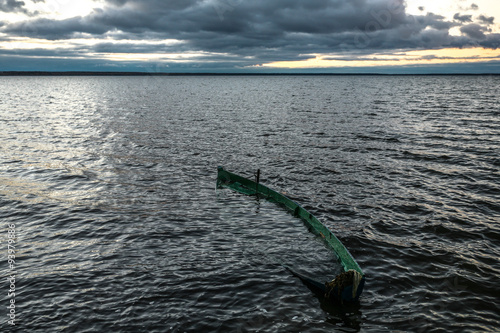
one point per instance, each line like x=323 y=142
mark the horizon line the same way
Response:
x=134 y=73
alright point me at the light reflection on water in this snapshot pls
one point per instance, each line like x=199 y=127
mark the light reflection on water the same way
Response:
x=110 y=183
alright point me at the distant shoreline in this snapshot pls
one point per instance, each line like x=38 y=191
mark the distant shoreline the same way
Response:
x=84 y=73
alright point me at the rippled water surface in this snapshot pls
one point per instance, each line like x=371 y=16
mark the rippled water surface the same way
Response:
x=108 y=185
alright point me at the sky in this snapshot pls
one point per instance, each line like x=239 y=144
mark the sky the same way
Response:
x=253 y=36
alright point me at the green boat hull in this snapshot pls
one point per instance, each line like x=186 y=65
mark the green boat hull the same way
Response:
x=246 y=186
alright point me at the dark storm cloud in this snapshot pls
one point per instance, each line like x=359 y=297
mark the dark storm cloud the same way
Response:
x=432 y=20
x=474 y=30
x=249 y=28
x=462 y=18
x=52 y=29
x=486 y=20
x=259 y=18
x=10 y=6
x=17 y=6
x=260 y=31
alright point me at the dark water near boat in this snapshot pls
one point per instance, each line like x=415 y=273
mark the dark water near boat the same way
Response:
x=108 y=186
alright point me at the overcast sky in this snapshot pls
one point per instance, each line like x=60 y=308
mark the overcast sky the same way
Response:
x=387 y=36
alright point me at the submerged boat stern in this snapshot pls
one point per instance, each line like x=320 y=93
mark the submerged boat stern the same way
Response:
x=347 y=286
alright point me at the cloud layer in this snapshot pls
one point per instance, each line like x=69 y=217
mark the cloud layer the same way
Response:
x=245 y=33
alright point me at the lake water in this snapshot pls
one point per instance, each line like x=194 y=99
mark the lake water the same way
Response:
x=107 y=192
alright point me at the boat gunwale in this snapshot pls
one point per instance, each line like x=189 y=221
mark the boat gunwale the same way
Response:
x=249 y=187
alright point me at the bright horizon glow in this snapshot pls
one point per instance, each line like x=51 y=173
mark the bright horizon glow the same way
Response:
x=442 y=56
x=161 y=57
